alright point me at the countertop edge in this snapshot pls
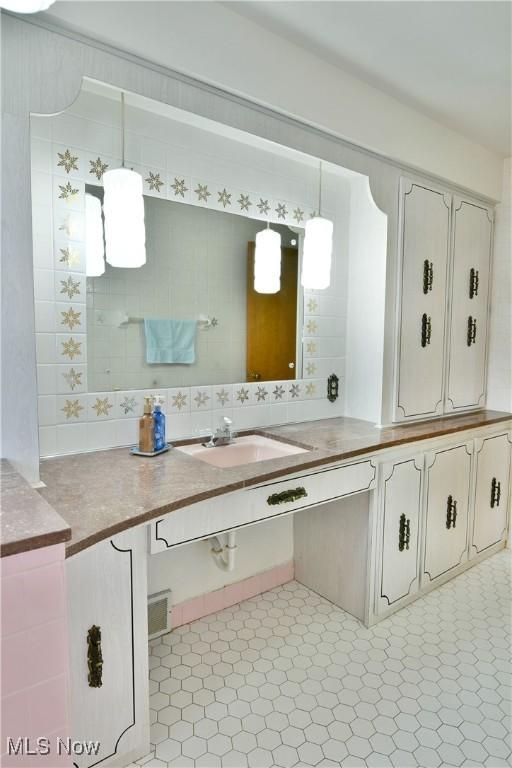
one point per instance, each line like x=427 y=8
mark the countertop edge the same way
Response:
x=28 y=521
x=149 y=516
x=36 y=542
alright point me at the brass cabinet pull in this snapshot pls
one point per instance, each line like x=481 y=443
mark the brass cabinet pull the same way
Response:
x=471 y=338
x=473 y=282
x=404 y=533
x=426 y=330
x=451 y=512
x=495 y=493
x=428 y=276
x=94 y=657
x=292 y=494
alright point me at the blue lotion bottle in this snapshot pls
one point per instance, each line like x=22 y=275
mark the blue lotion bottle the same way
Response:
x=159 y=422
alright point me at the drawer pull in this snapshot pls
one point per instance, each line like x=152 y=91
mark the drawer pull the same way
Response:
x=473 y=282
x=287 y=496
x=428 y=276
x=404 y=533
x=495 y=493
x=471 y=339
x=426 y=330
x=451 y=512
x=94 y=657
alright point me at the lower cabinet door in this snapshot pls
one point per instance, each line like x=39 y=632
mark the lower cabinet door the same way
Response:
x=401 y=505
x=448 y=475
x=491 y=492
x=107 y=599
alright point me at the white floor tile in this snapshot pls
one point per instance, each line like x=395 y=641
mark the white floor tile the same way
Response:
x=287 y=679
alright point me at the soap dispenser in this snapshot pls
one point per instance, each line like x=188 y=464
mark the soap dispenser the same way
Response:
x=147 y=428
x=159 y=422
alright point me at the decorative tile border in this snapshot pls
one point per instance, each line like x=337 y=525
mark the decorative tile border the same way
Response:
x=67 y=412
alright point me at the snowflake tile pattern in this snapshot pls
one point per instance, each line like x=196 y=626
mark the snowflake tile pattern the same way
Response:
x=154 y=182
x=97 y=168
x=69 y=256
x=67 y=191
x=70 y=317
x=288 y=679
x=179 y=187
x=68 y=161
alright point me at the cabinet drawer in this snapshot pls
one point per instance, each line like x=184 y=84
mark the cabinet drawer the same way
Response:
x=306 y=491
x=233 y=510
x=200 y=520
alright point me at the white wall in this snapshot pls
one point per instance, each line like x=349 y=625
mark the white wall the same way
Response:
x=500 y=342
x=191 y=571
x=366 y=305
x=215 y=44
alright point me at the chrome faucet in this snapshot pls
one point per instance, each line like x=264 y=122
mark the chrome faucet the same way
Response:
x=223 y=436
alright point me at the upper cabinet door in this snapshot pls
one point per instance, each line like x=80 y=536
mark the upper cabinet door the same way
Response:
x=424 y=248
x=472 y=240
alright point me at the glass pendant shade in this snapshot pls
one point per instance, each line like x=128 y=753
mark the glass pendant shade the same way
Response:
x=267 y=262
x=123 y=208
x=94 y=246
x=26 y=6
x=317 y=255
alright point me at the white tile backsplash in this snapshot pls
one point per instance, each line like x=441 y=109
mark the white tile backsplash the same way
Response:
x=90 y=131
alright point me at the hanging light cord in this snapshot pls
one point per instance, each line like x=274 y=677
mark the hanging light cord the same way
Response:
x=122 y=127
x=320 y=191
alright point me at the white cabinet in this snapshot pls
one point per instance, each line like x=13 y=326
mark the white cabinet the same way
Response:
x=400 y=511
x=107 y=590
x=443 y=294
x=448 y=474
x=491 y=492
x=472 y=240
x=424 y=249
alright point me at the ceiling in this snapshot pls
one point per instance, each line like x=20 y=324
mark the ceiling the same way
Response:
x=450 y=59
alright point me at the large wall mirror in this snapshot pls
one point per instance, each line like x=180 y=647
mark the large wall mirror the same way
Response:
x=208 y=191
x=200 y=267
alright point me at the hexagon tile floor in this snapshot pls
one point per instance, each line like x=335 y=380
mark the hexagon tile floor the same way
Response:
x=288 y=679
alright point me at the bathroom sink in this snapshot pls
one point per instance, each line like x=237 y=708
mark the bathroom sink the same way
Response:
x=243 y=450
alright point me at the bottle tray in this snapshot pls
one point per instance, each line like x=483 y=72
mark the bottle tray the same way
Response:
x=135 y=451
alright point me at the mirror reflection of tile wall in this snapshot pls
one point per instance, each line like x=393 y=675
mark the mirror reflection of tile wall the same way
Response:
x=69 y=151
x=196 y=267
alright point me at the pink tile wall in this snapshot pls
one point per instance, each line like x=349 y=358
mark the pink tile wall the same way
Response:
x=190 y=610
x=34 y=655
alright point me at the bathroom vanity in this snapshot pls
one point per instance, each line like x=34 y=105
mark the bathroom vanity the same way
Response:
x=380 y=517
x=384 y=504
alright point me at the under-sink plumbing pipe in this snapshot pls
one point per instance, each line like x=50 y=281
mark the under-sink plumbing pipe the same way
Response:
x=224 y=555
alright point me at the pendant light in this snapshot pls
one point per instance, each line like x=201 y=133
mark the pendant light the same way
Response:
x=267 y=261
x=26 y=6
x=123 y=208
x=317 y=255
x=94 y=245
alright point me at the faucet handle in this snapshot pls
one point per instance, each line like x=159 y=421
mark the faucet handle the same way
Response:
x=227 y=421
